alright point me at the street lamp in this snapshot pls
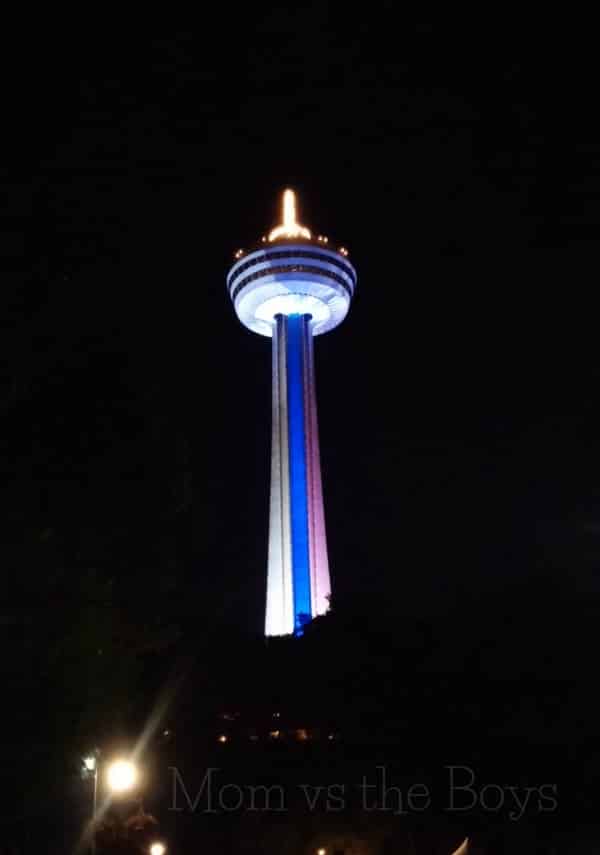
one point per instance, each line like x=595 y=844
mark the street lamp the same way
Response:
x=158 y=848
x=90 y=768
x=90 y=763
x=121 y=776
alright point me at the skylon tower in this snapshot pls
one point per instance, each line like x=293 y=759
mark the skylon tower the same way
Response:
x=291 y=288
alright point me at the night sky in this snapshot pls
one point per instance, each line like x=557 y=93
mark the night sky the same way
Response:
x=457 y=403
x=459 y=420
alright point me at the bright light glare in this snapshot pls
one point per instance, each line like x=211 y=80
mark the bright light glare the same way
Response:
x=89 y=763
x=289 y=228
x=321 y=851
x=121 y=776
x=158 y=849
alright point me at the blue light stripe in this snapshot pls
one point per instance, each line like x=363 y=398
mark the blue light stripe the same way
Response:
x=297 y=457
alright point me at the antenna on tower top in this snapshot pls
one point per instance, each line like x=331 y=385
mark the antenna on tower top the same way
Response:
x=289 y=227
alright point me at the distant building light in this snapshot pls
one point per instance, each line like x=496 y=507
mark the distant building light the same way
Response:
x=302 y=734
x=274 y=734
x=223 y=738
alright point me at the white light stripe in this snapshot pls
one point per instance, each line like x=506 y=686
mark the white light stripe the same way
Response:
x=320 y=579
x=310 y=441
x=280 y=607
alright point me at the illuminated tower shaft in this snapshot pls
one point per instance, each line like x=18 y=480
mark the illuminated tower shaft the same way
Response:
x=292 y=288
x=298 y=585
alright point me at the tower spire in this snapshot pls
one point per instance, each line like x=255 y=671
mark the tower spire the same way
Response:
x=289 y=228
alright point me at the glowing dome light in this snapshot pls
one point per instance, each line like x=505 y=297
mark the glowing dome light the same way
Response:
x=294 y=304
x=289 y=228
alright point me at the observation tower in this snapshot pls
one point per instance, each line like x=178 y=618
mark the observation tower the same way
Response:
x=292 y=287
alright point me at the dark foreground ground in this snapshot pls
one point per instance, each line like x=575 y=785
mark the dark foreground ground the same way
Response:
x=362 y=736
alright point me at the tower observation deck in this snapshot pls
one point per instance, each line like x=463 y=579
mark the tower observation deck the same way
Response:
x=292 y=287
